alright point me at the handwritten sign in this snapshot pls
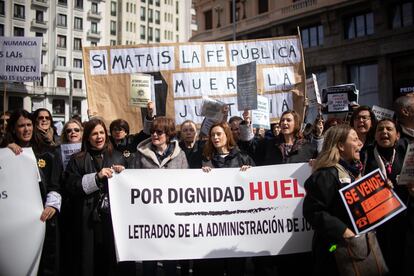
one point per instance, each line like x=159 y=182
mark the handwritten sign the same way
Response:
x=338 y=102
x=407 y=171
x=382 y=113
x=246 y=86
x=312 y=88
x=260 y=116
x=370 y=202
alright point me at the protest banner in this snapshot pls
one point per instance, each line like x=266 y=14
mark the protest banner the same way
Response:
x=21 y=231
x=20 y=59
x=212 y=109
x=141 y=87
x=339 y=98
x=382 y=113
x=407 y=172
x=260 y=116
x=189 y=71
x=189 y=214
x=312 y=90
x=67 y=150
x=370 y=202
x=246 y=86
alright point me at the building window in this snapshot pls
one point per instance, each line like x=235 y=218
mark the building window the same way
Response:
x=76 y=107
x=94 y=43
x=1 y=29
x=177 y=8
x=359 y=26
x=402 y=15
x=365 y=77
x=63 y=2
x=18 y=11
x=312 y=36
x=94 y=8
x=61 y=41
x=61 y=61
x=150 y=2
x=2 y=9
x=157 y=17
x=15 y=102
x=237 y=11
x=157 y=3
x=113 y=27
x=77 y=84
x=78 y=23
x=142 y=13
x=58 y=106
x=79 y=4
x=61 y=20
x=94 y=27
x=112 y=42
x=150 y=15
x=149 y=34
x=157 y=35
x=18 y=31
x=142 y=31
x=208 y=20
x=39 y=16
x=263 y=6
x=77 y=63
x=113 y=8
x=77 y=44
x=61 y=82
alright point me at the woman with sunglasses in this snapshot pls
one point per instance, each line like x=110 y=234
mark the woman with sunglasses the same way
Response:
x=20 y=132
x=160 y=151
x=127 y=143
x=86 y=182
x=44 y=133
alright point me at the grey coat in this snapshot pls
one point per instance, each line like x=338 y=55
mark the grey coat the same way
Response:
x=146 y=159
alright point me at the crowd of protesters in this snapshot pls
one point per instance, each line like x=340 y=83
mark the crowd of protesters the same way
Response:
x=79 y=238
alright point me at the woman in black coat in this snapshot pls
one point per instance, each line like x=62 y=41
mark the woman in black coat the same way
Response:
x=20 y=133
x=221 y=151
x=388 y=157
x=86 y=181
x=336 y=166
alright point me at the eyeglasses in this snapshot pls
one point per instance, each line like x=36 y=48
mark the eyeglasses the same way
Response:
x=40 y=118
x=157 y=131
x=69 y=130
x=363 y=118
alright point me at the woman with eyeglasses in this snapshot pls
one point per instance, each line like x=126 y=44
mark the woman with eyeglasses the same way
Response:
x=160 y=151
x=86 y=182
x=364 y=122
x=20 y=132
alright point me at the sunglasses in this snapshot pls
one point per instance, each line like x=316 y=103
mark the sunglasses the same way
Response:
x=157 y=131
x=40 y=118
x=69 y=130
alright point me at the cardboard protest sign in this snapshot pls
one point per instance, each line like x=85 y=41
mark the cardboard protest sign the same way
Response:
x=20 y=59
x=141 y=87
x=246 y=86
x=189 y=71
x=188 y=214
x=212 y=109
x=67 y=150
x=260 y=116
x=407 y=172
x=382 y=113
x=369 y=202
x=339 y=98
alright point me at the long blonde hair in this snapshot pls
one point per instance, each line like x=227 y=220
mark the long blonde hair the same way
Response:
x=330 y=155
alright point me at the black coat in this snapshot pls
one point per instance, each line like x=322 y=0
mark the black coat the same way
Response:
x=326 y=212
x=94 y=251
x=128 y=145
x=234 y=159
x=195 y=154
x=269 y=152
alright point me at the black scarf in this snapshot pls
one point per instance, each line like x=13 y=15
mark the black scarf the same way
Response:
x=354 y=168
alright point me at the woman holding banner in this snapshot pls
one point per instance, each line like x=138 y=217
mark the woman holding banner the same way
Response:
x=160 y=151
x=388 y=157
x=20 y=133
x=192 y=147
x=221 y=151
x=86 y=181
x=336 y=166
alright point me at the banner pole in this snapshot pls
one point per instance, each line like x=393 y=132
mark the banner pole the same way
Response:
x=305 y=101
x=4 y=104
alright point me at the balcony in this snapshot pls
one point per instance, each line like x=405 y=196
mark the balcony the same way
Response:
x=94 y=35
x=40 y=24
x=95 y=15
x=40 y=3
x=44 y=46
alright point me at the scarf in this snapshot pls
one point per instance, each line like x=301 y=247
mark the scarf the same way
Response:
x=165 y=154
x=45 y=136
x=286 y=149
x=354 y=168
x=385 y=158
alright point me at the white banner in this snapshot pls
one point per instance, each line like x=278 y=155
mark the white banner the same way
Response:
x=21 y=231
x=189 y=214
x=20 y=58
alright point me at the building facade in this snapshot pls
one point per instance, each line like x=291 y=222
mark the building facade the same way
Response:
x=68 y=25
x=369 y=43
